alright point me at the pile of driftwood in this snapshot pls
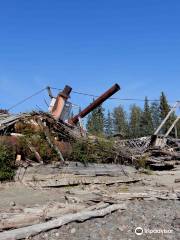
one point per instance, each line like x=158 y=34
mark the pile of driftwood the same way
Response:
x=81 y=204
x=30 y=222
x=22 y=223
x=93 y=197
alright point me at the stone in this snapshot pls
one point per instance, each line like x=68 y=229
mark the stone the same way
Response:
x=12 y=204
x=73 y=230
x=57 y=234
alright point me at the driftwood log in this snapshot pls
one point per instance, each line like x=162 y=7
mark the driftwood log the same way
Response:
x=30 y=216
x=29 y=231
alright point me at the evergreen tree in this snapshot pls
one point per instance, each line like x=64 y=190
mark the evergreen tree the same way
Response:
x=146 y=123
x=164 y=106
x=134 y=122
x=155 y=113
x=178 y=129
x=95 y=122
x=164 y=110
x=109 y=124
x=120 y=121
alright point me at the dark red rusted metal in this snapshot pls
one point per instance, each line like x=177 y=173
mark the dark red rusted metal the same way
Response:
x=66 y=92
x=95 y=104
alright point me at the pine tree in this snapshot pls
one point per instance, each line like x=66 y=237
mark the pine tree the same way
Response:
x=164 y=106
x=178 y=129
x=134 y=123
x=164 y=110
x=95 y=122
x=109 y=124
x=146 y=123
x=155 y=113
x=120 y=121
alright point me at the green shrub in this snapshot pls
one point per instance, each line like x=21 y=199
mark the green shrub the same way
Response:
x=7 y=162
x=40 y=144
x=98 y=151
x=80 y=152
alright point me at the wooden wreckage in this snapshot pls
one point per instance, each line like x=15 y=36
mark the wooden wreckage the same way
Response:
x=157 y=152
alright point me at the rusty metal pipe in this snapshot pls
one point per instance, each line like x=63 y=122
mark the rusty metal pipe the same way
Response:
x=95 y=104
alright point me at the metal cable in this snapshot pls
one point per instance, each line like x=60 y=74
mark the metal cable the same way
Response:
x=25 y=99
x=111 y=98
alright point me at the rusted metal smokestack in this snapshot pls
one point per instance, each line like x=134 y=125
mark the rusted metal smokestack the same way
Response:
x=58 y=104
x=95 y=104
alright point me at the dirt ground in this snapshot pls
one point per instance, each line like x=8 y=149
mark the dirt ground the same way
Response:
x=151 y=214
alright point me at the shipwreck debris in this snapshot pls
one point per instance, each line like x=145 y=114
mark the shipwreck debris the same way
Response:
x=60 y=131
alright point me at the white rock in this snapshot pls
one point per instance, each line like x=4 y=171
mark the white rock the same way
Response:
x=46 y=235
x=12 y=204
x=73 y=230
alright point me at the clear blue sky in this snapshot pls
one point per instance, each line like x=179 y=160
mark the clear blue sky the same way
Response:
x=89 y=45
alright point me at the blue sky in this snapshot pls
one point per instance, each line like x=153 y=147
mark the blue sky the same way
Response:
x=89 y=45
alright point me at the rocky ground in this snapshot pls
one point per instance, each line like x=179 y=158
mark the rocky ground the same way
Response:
x=151 y=199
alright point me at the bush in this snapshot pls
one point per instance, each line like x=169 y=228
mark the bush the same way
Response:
x=40 y=144
x=7 y=162
x=142 y=162
x=99 y=151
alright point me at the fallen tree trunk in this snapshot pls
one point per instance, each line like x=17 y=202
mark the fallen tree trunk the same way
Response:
x=25 y=232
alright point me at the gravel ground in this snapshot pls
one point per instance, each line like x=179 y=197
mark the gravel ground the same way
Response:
x=152 y=215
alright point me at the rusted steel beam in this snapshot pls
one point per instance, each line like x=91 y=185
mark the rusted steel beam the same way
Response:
x=60 y=102
x=95 y=104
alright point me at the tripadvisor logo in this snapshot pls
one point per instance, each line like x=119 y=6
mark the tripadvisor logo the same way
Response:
x=138 y=231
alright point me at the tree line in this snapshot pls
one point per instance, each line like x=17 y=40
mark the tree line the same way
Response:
x=137 y=122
